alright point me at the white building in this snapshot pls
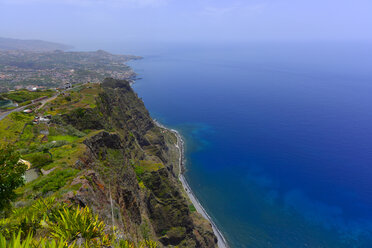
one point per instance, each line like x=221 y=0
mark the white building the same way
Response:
x=67 y=86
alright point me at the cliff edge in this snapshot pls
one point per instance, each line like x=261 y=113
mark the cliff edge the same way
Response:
x=96 y=146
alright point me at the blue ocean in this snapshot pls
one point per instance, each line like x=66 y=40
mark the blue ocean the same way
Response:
x=278 y=136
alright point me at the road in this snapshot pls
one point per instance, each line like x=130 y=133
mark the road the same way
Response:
x=43 y=102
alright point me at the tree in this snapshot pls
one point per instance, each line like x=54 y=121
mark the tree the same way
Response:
x=11 y=175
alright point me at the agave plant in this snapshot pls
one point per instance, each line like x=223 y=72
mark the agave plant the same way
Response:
x=16 y=242
x=29 y=242
x=44 y=204
x=71 y=224
x=44 y=243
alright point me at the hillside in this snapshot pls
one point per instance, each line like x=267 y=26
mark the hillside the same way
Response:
x=27 y=69
x=31 y=45
x=101 y=150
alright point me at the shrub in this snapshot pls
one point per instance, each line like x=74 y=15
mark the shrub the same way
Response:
x=192 y=208
x=29 y=242
x=74 y=132
x=69 y=224
x=16 y=241
x=54 y=181
x=24 y=95
x=39 y=160
x=26 y=220
x=11 y=172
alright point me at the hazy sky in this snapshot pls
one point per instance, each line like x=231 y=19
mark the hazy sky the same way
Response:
x=95 y=21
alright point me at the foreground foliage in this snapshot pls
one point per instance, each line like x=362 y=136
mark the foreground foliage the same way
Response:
x=30 y=242
x=17 y=242
x=11 y=172
x=50 y=224
x=69 y=224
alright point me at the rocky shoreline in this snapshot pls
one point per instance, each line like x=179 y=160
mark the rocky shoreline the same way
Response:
x=199 y=208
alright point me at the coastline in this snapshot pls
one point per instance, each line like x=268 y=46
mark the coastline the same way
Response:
x=221 y=243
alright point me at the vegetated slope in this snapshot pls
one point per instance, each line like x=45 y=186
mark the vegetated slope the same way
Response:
x=31 y=45
x=102 y=145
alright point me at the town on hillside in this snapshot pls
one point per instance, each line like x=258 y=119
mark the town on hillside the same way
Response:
x=41 y=70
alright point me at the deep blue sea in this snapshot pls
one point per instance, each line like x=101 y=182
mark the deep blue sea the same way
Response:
x=278 y=136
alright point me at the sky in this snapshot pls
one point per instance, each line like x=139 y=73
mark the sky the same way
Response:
x=87 y=22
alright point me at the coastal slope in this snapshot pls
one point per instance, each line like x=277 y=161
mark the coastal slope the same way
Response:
x=114 y=159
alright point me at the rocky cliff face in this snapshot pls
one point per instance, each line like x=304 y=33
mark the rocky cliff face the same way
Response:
x=128 y=172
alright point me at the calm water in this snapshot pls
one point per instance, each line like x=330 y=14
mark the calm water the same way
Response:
x=279 y=137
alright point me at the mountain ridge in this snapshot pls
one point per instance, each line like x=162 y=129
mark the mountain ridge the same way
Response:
x=31 y=45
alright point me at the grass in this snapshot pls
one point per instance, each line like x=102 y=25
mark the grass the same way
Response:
x=67 y=154
x=54 y=181
x=146 y=166
x=68 y=138
x=63 y=142
x=192 y=208
x=143 y=167
x=149 y=166
x=38 y=159
x=21 y=96
x=82 y=97
x=12 y=126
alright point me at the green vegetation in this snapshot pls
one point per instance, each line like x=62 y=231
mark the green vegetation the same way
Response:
x=39 y=160
x=50 y=224
x=149 y=166
x=70 y=224
x=29 y=242
x=12 y=126
x=54 y=181
x=79 y=105
x=11 y=172
x=100 y=150
x=68 y=138
x=192 y=208
x=5 y=103
x=145 y=166
x=21 y=96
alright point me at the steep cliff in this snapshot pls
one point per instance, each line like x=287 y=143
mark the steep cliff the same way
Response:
x=129 y=161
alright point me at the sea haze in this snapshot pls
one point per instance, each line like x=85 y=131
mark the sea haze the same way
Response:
x=278 y=137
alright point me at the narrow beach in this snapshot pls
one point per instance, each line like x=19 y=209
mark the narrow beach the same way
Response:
x=199 y=208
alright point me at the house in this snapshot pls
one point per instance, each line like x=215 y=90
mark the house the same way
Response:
x=43 y=119
x=27 y=111
x=67 y=86
x=32 y=88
